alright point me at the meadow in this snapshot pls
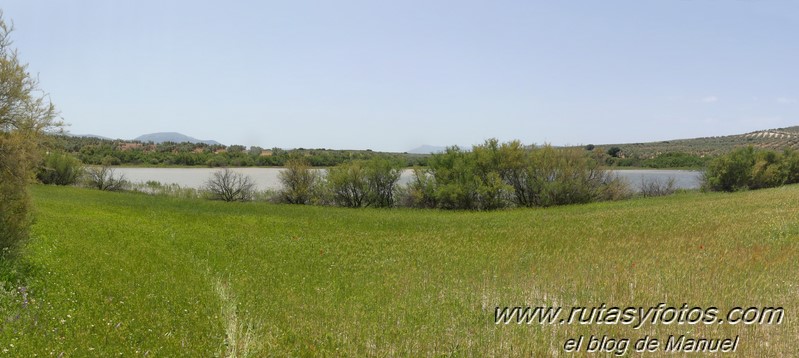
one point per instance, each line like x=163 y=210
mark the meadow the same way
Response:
x=109 y=274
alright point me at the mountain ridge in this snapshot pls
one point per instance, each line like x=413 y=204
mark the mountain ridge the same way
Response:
x=175 y=137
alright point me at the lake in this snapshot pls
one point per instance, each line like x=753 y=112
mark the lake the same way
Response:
x=267 y=178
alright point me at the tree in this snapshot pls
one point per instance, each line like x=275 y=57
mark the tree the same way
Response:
x=104 y=178
x=348 y=184
x=299 y=182
x=25 y=114
x=228 y=185
x=730 y=172
x=382 y=175
x=614 y=152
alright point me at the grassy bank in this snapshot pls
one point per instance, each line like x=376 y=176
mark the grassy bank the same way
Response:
x=109 y=273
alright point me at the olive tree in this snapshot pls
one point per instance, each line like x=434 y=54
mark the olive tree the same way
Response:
x=25 y=114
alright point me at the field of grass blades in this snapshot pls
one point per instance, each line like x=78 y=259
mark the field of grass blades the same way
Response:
x=108 y=274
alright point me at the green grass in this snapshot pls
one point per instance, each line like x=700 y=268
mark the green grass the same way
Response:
x=131 y=274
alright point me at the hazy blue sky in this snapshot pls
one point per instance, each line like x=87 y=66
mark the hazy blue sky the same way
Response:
x=392 y=75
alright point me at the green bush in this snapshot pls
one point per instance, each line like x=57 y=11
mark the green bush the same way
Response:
x=382 y=175
x=299 y=182
x=348 y=185
x=14 y=201
x=60 y=169
x=746 y=168
x=364 y=183
x=731 y=172
x=493 y=176
x=790 y=164
x=767 y=171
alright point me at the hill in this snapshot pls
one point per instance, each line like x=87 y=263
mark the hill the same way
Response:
x=776 y=139
x=173 y=137
x=427 y=149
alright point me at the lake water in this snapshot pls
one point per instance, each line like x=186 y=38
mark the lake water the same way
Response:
x=267 y=178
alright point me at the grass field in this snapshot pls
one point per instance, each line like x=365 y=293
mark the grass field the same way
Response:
x=120 y=273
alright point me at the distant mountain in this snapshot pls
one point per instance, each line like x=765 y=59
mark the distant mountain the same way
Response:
x=175 y=137
x=427 y=149
x=87 y=136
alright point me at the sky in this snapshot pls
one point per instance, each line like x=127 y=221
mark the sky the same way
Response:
x=394 y=75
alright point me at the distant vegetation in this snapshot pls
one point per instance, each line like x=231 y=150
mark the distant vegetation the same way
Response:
x=637 y=154
x=683 y=153
x=97 y=151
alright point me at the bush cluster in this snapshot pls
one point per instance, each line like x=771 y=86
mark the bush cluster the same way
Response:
x=490 y=176
x=60 y=169
x=494 y=175
x=747 y=168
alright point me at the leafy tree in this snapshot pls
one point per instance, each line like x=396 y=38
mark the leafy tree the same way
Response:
x=767 y=171
x=421 y=191
x=790 y=165
x=299 y=182
x=348 y=184
x=25 y=114
x=382 y=175
x=731 y=172
x=494 y=175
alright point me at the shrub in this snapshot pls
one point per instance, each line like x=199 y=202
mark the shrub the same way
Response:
x=615 y=189
x=60 y=169
x=348 y=185
x=565 y=176
x=228 y=185
x=299 y=183
x=654 y=187
x=767 y=171
x=382 y=176
x=493 y=176
x=790 y=165
x=14 y=201
x=420 y=192
x=104 y=178
x=730 y=172
x=746 y=168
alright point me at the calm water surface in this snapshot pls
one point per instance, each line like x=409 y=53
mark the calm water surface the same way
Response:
x=267 y=178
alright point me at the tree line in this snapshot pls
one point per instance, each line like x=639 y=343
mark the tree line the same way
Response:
x=98 y=151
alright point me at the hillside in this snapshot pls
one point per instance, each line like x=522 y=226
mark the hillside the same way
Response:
x=776 y=139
